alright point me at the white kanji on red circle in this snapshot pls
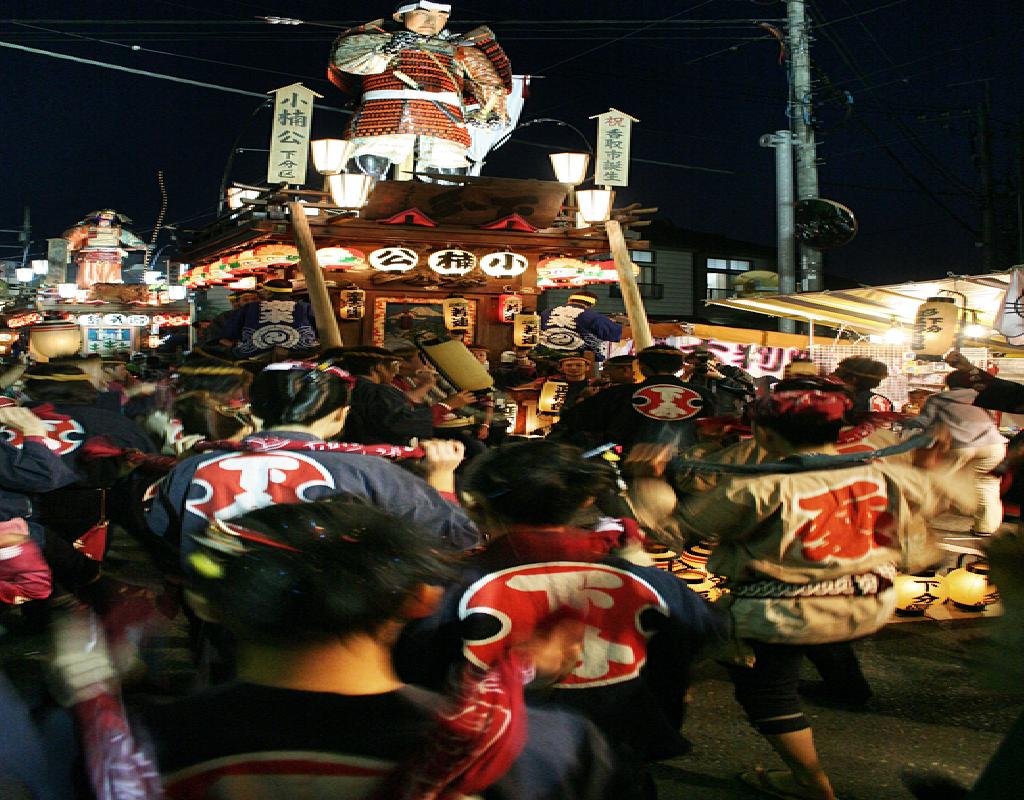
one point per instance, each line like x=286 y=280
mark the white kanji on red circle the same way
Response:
x=667 y=402
x=611 y=600
x=233 y=484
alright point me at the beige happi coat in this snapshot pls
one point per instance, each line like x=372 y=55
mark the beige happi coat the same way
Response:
x=814 y=527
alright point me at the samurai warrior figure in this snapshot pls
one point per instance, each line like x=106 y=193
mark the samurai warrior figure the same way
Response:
x=414 y=82
x=100 y=244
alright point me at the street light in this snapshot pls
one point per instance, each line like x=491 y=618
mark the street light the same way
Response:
x=40 y=266
x=595 y=204
x=330 y=155
x=25 y=274
x=350 y=190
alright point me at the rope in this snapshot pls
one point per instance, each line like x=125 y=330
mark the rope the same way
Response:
x=159 y=217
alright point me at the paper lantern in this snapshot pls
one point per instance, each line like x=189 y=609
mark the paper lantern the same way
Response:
x=527 y=330
x=456 y=314
x=969 y=587
x=915 y=593
x=341 y=258
x=351 y=304
x=662 y=557
x=695 y=556
x=701 y=582
x=508 y=306
x=595 y=204
x=330 y=155
x=67 y=290
x=269 y=255
x=935 y=328
x=394 y=259
x=452 y=262
x=552 y=397
x=55 y=339
x=350 y=190
x=504 y=264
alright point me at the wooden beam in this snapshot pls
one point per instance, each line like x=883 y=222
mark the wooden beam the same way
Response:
x=326 y=321
x=627 y=284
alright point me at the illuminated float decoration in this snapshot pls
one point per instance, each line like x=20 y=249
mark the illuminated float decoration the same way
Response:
x=452 y=262
x=394 y=259
x=526 y=332
x=455 y=362
x=457 y=314
x=504 y=264
x=351 y=304
x=55 y=339
x=552 y=397
x=509 y=305
x=341 y=258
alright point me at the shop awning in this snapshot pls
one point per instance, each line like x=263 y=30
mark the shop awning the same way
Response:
x=876 y=309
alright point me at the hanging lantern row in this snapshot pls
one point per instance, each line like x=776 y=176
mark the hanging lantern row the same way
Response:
x=526 y=330
x=936 y=327
x=457 y=315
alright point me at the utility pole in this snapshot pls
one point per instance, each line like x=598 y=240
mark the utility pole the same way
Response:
x=800 y=107
x=988 y=224
x=25 y=236
x=785 y=210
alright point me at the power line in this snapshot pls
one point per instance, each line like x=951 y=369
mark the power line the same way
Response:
x=148 y=74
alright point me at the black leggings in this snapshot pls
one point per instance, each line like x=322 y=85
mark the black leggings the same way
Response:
x=768 y=691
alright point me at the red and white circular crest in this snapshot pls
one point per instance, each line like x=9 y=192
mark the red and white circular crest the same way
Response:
x=667 y=402
x=508 y=605
x=232 y=484
x=63 y=436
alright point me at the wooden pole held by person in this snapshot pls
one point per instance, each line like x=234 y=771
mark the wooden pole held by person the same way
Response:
x=627 y=285
x=326 y=321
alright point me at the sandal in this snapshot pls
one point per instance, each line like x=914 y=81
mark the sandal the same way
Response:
x=768 y=782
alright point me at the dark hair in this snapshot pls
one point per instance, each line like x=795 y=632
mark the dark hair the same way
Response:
x=315 y=570
x=213 y=375
x=539 y=483
x=802 y=426
x=300 y=395
x=362 y=360
x=617 y=361
x=661 y=359
x=73 y=392
x=279 y=284
x=862 y=372
x=959 y=379
x=206 y=415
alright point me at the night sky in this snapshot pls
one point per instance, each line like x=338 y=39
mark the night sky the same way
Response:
x=701 y=76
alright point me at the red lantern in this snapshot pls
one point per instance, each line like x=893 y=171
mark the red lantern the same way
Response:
x=508 y=306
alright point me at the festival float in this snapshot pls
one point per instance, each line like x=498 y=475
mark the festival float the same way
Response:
x=93 y=312
x=400 y=241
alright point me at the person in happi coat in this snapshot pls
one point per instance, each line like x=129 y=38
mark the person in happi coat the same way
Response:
x=277 y=325
x=575 y=327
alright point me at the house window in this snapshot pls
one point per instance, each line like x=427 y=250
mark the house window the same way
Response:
x=721 y=274
x=647 y=282
x=729 y=264
x=641 y=256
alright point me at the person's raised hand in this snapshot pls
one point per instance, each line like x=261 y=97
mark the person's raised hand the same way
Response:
x=459 y=399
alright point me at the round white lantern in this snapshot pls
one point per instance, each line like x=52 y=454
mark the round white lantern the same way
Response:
x=504 y=264
x=969 y=587
x=55 y=339
x=452 y=262
x=915 y=593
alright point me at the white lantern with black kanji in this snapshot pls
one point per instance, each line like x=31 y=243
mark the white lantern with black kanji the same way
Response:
x=504 y=264
x=527 y=330
x=394 y=259
x=936 y=327
x=456 y=314
x=552 y=397
x=452 y=262
x=916 y=593
x=351 y=304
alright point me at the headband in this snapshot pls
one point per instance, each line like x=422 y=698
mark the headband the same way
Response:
x=278 y=289
x=582 y=298
x=67 y=377
x=831 y=405
x=426 y=5
x=316 y=369
x=210 y=371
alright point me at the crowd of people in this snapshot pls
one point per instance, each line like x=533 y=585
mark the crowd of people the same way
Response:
x=390 y=595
